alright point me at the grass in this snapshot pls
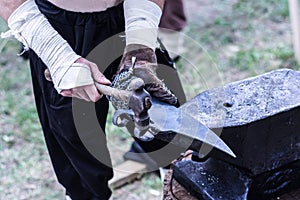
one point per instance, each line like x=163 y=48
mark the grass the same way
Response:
x=257 y=60
x=271 y=9
x=25 y=167
x=251 y=38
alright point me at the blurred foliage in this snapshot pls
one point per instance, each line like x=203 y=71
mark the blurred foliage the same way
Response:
x=250 y=38
x=25 y=167
x=248 y=59
x=3 y=25
x=152 y=182
x=274 y=9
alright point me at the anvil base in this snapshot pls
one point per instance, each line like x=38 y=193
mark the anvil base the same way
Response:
x=214 y=179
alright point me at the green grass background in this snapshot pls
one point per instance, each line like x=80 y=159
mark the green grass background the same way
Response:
x=251 y=38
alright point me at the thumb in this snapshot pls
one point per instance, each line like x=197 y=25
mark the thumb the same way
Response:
x=98 y=76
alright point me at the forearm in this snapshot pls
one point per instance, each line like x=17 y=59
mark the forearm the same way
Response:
x=8 y=6
x=37 y=34
x=142 y=18
x=141 y=21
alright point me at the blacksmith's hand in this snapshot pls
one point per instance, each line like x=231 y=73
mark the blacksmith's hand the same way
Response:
x=85 y=73
x=141 y=23
x=28 y=25
x=144 y=67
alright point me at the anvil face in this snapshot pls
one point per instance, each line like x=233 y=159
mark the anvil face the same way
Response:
x=261 y=119
x=261 y=123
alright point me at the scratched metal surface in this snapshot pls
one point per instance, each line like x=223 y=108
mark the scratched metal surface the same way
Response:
x=258 y=118
x=248 y=100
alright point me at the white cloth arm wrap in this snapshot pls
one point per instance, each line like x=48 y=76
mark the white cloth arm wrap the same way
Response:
x=28 y=25
x=142 y=18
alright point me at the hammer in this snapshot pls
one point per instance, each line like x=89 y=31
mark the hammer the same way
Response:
x=136 y=97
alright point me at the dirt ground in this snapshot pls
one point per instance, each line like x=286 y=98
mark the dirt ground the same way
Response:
x=229 y=40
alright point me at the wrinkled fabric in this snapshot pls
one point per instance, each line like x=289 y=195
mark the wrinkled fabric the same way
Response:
x=82 y=174
x=29 y=26
x=86 y=6
x=141 y=22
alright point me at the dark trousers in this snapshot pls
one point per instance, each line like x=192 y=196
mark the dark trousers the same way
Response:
x=74 y=129
x=84 y=174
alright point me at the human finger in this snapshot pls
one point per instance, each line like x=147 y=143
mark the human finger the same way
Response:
x=80 y=93
x=93 y=93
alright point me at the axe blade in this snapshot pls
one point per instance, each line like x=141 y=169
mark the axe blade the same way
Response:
x=176 y=126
